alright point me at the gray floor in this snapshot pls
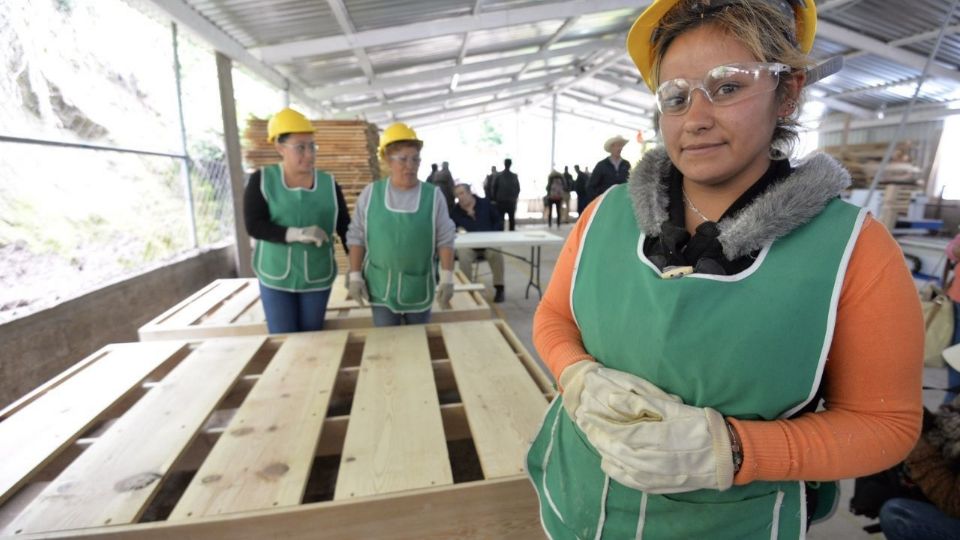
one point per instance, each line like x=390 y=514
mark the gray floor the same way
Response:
x=518 y=312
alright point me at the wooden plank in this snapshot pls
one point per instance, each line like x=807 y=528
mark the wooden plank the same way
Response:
x=395 y=438
x=41 y=429
x=200 y=306
x=248 y=292
x=264 y=457
x=114 y=480
x=504 y=406
x=503 y=509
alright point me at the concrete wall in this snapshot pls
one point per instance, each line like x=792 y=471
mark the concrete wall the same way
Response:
x=36 y=347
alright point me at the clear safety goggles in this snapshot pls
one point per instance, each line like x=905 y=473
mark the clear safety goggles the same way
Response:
x=302 y=148
x=405 y=160
x=723 y=85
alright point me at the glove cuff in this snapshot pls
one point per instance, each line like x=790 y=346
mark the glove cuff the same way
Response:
x=721 y=447
x=292 y=234
x=446 y=276
x=356 y=276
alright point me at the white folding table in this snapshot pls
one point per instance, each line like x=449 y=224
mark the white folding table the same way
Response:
x=500 y=240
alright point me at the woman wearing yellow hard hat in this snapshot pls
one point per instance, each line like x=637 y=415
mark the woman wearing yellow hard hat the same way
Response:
x=292 y=210
x=399 y=225
x=698 y=314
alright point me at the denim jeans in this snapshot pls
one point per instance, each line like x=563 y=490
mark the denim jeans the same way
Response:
x=382 y=316
x=293 y=311
x=906 y=519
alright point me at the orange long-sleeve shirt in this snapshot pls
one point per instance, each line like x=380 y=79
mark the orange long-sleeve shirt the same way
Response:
x=871 y=383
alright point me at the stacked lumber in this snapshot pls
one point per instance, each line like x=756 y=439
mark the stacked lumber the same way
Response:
x=347 y=149
x=863 y=161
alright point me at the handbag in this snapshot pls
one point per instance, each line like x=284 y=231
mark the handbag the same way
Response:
x=938 y=324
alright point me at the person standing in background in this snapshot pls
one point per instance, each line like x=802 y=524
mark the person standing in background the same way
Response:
x=580 y=187
x=488 y=183
x=609 y=171
x=567 y=188
x=554 y=196
x=292 y=210
x=506 y=191
x=443 y=179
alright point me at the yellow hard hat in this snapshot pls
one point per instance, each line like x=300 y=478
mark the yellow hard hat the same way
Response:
x=640 y=37
x=287 y=121
x=397 y=132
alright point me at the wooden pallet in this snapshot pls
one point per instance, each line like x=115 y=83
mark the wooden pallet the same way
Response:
x=231 y=307
x=405 y=432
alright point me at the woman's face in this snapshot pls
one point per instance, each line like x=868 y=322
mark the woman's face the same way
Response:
x=404 y=163
x=298 y=153
x=710 y=145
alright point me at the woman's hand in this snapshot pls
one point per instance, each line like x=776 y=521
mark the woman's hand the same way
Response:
x=307 y=235
x=357 y=288
x=445 y=289
x=650 y=440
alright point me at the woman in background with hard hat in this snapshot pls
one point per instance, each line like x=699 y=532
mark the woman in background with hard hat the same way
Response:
x=697 y=315
x=292 y=209
x=399 y=225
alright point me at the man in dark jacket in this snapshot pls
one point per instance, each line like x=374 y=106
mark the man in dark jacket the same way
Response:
x=567 y=188
x=443 y=179
x=475 y=214
x=580 y=188
x=506 y=191
x=610 y=171
x=488 y=182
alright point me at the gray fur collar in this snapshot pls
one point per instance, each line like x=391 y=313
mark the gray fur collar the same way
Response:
x=789 y=204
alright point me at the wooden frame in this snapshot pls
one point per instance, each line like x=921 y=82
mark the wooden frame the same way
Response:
x=423 y=427
x=231 y=307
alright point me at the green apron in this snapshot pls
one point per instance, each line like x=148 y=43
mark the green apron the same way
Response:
x=297 y=266
x=752 y=346
x=398 y=266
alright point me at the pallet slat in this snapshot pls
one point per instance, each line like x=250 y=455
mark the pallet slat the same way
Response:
x=39 y=431
x=114 y=480
x=395 y=438
x=242 y=313
x=504 y=406
x=264 y=457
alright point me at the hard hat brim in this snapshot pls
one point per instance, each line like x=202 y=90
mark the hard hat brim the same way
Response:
x=640 y=48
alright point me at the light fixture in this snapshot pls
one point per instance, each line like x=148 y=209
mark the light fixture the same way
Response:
x=454 y=81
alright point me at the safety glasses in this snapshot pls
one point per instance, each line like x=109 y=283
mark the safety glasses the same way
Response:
x=404 y=160
x=302 y=149
x=723 y=85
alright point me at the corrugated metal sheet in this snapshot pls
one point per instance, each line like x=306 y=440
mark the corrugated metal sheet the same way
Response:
x=870 y=80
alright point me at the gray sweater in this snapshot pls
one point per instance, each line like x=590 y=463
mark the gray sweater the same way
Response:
x=405 y=201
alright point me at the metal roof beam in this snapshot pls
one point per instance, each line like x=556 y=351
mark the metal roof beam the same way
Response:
x=397 y=106
x=876 y=47
x=467 y=111
x=387 y=82
x=185 y=16
x=615 y=119
x=286 y=52
x=564 y=28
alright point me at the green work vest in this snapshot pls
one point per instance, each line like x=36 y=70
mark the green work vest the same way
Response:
x=297 y=266
x=751 y=345
x=398 y=266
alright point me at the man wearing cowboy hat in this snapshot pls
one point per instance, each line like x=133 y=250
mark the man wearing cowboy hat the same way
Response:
x=609 y=171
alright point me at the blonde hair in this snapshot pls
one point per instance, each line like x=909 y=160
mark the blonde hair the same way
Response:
x=766 y=32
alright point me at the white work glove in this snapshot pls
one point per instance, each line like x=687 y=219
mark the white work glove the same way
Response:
x=651 y=441
x=603 y=382
x=571 y=384
x=445 y=289
x=307 y=235
x=357 y=288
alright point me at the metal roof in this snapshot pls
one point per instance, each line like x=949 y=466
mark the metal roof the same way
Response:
x=434 y=60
